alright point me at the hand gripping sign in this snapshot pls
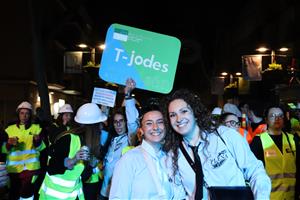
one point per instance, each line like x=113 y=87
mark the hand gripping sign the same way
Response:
x=148 y=58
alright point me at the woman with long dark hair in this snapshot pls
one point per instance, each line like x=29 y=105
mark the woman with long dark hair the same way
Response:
x=208 y=155
x=71 y=161
x=124 y=125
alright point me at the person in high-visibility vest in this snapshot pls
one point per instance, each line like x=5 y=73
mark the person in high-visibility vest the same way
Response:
x=295 y=120
x=93 y=181
x=252 y=122
x=232 y=121
x=297 y=189
x=69 y=162
x=3 y=172
x=22 y=153
x=277 y=149
x=62 y=122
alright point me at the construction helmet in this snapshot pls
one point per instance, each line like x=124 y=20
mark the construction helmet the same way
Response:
x=65 y=109
x=89 y=113
x=216 y=111
x=24 y=104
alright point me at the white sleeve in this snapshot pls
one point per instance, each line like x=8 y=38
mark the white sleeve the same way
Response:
x=132 y=115
x=252 y=168
x=123 y=175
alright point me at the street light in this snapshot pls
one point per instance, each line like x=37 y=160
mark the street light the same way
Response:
x=253 y=64
x=273 y=65
x=92 y=51
x=233 y=79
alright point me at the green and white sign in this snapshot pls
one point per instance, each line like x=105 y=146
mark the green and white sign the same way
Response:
x=147 y=57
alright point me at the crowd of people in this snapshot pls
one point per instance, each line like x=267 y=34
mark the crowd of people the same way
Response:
x=170 y=148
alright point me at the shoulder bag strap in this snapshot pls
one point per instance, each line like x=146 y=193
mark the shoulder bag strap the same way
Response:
x=187 y=156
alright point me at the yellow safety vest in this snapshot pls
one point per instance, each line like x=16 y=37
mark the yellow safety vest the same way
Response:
x=96 y=175
x=295 y=126
x=281 y=167
x=24 y=156
x=68 y=185
x=127 y=148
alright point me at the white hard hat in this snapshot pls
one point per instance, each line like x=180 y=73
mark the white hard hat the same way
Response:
x=89 y=113
x=232 y=108
x=217 y=111
x=65 y=109
x=24 y=104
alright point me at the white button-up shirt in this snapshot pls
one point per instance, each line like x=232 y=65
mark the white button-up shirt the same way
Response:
x=227 y=164
x=134 y=179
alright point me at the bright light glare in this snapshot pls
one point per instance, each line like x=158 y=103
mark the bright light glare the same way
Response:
x=224 y=73
x=284 y=49
x=82 y=45
x=102 y=46
x=262 y=49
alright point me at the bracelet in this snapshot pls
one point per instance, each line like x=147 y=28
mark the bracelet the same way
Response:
x=127 y=95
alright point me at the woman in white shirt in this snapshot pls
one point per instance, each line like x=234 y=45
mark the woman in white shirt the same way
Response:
x=225 y=157
x=144 y=172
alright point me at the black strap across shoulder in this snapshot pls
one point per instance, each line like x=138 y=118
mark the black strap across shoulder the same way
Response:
x=187 y=156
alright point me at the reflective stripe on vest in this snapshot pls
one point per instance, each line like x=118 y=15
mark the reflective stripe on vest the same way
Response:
x=67 y=185
x=285 y=175
x=281 y=188
x=19 y=153
x=21 y=162
x=61 y=195
x=280 y=166
x=61 y=182
x=24 y=156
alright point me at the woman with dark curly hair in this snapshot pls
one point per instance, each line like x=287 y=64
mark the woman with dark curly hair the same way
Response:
x=226 y=159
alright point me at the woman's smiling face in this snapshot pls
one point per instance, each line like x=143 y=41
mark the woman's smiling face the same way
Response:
x=153 y=127
x=181 y=117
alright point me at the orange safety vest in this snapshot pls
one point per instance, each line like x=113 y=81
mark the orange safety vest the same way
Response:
x=246 y=134
x=251 y=134
x=260 y=129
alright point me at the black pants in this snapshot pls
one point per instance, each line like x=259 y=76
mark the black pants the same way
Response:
x=91 y=191
x=20 y=186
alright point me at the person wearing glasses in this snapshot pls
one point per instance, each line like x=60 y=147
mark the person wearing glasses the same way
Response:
x=277 y=149
x=124 y=125
x=232 y=121
x=209 y=157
